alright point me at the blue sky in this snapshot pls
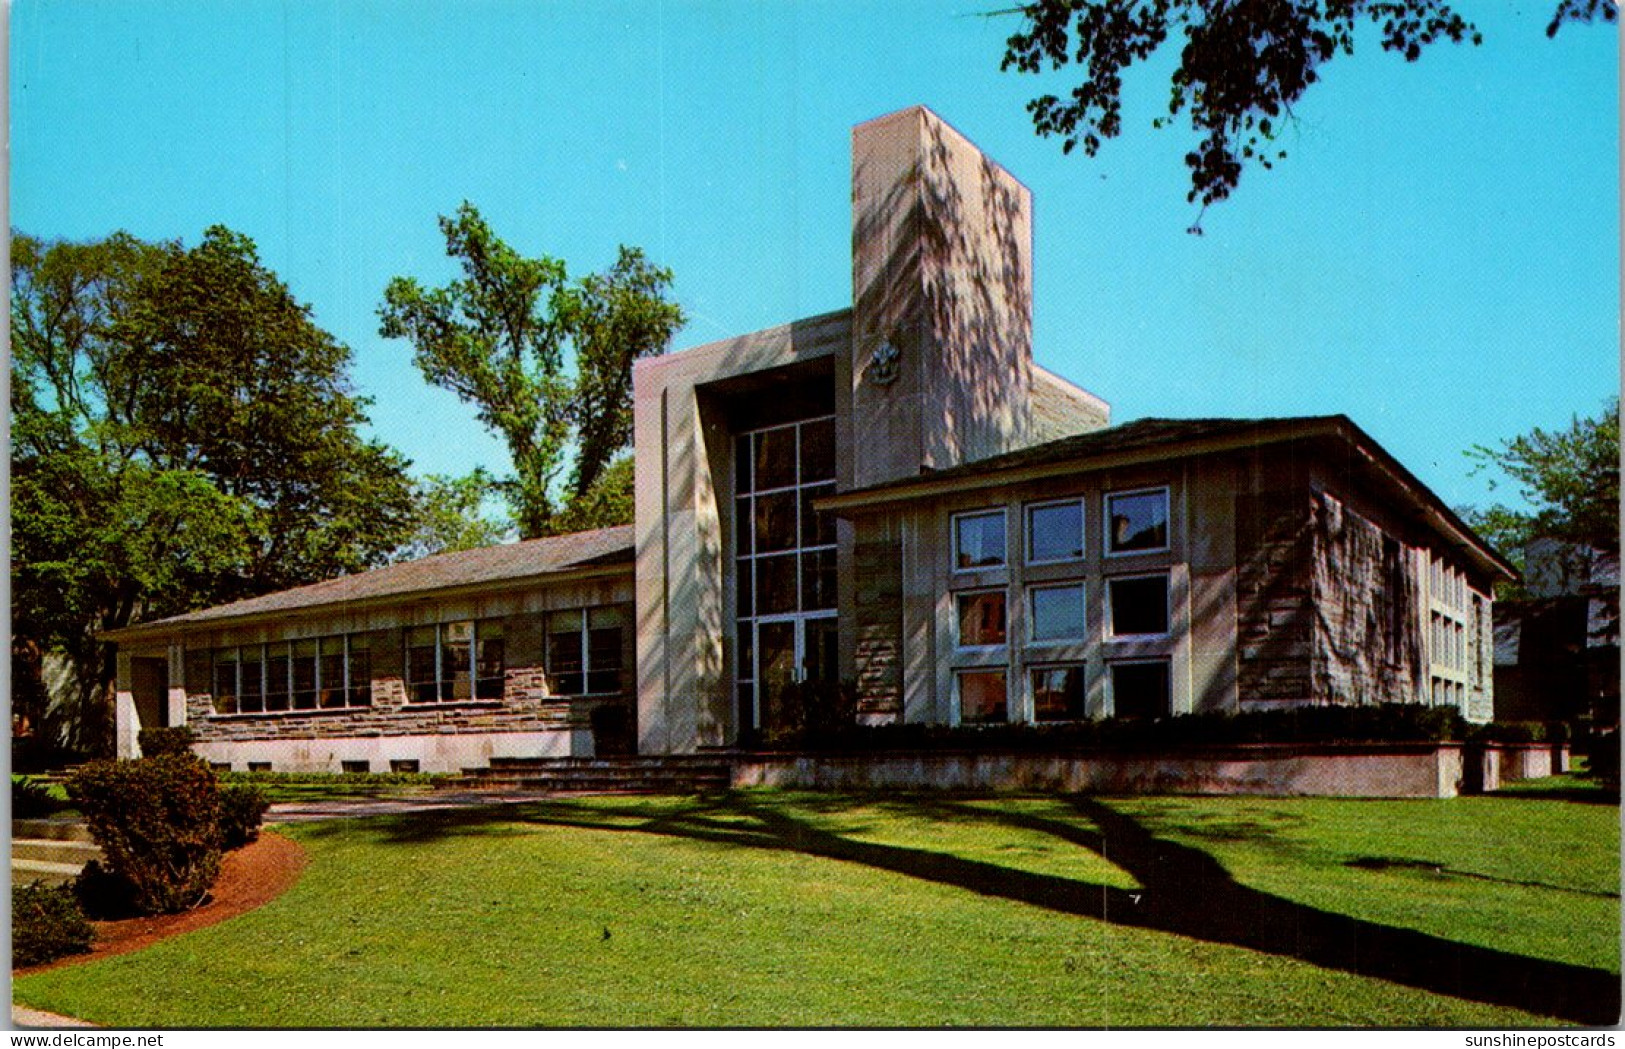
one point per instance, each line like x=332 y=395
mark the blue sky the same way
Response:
x=1438 y=257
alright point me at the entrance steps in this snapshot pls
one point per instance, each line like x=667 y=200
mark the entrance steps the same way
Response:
x=667 y=774
x=49 y=850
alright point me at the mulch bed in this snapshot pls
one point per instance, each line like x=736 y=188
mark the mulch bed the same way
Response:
x=249 y=877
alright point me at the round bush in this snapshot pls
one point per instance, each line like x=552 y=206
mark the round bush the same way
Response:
x=46 y=924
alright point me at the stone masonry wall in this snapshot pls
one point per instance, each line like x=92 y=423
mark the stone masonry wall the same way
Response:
x=879 y=652
x=1274 y=614
x=1367 y=627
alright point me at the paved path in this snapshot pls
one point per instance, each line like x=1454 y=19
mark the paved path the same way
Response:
x=355 y=808
x=22 y=1016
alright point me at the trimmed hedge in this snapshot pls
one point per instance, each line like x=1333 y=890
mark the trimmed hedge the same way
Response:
x=242 y=810
x=46 y=924
x=157 y=821
x=1378 y=723
x=162 y=742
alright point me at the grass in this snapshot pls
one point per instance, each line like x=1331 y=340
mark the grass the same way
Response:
x=774 y=909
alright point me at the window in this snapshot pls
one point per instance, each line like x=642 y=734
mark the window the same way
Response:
x=356 y=768
x=1140 y=689
x=1056 y=613
x=981 y=618
x=584 y=651
x=1138 y=606
x=1055 y=532
x=982 y=697
x=1137 y=522
x=403 y=765
x=1058 y=693
x=309 y=674
x=455 y=662
x=979 y=540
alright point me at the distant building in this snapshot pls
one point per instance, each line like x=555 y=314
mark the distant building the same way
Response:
x=1557 y=650
x=893 y=495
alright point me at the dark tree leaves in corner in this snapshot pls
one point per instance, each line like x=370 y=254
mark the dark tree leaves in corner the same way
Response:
x=182 y=434
x=1243 y=65
x=546 y=362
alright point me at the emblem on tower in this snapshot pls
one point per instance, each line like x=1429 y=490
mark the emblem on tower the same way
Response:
x=883 y=363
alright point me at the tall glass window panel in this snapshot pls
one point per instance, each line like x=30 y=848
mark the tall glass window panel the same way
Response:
x=742 y=459
x=251 y=680
x=566 y=660
x=1140 y=690
x=775 y=519
x=817 y=580
x=1139 y=606
x=604 y=626
x=818 y=451
x=775 y=460
x=330 y=670
x=776 y=584
x=983 y=697
x=744 y=587
x=1057 y=613
x=817 y=529
x=360 y=691
x=276 y=677
x=743 y=534
x=1137 y=521
x=979 y=540
x=1058 y=693
x=304 y=675
x=422 y=678
x=1055 y=532
x=490 y=676
x=225 y=681
x=457 y=661
x=981 y=618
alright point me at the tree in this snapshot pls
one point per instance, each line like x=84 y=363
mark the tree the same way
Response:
x=182 y=434
x=545 y=361
x=1570 y=480
x=449 y=516
x=1243 y=65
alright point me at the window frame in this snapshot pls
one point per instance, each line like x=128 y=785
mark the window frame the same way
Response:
x=442 y=682
x=355 y=697
x=1109 y=627
x=1082 y=635
x=1106 y=521
x=1082 y=667
x=1111 y=681
x=960 y=674
x=1003 y=513
x=959 y=622
x=1027 y=529
x=584 y=639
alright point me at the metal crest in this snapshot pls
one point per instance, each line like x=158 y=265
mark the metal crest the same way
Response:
x=883 y=363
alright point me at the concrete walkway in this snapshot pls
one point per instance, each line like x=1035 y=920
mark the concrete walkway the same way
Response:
x=22 y=1016
x=357 y=808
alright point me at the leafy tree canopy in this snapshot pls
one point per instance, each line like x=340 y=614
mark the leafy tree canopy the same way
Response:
x=182 y=434
x=546 y=362
x=1243 y=65
x=450 y=516
x=1569 y=479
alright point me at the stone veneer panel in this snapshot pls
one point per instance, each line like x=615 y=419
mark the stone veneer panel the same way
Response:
x=1274 y=614
x=878 y=603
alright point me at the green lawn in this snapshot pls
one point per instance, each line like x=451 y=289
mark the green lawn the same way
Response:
x=797 y=909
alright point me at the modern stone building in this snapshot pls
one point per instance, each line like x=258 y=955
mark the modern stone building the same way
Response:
x=894 y=495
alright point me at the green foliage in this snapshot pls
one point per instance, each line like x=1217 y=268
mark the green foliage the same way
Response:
x=31 y=799
x=46 y=924
x=808 y=711
x=608 y=502
x=242 y=810
x=157 y=821
x=545 y=361
x=182 y=434
x=449 y=516
x=1242 y=67
x=1570 y=480
x=161 y=741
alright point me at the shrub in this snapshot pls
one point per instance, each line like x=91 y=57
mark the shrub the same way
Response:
x=806 y=711
x=157 y=821
x=31 y=799
x=161 y=742
x=242 y=810
x=46 y=924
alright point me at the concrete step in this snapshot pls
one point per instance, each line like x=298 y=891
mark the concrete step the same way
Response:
x=25 y=871
x=52 y=827
x=51 y=850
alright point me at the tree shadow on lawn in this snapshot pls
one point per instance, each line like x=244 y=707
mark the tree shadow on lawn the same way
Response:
x=1184 y=891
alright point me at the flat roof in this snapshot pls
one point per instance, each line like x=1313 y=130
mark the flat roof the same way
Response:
x=506 y=563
